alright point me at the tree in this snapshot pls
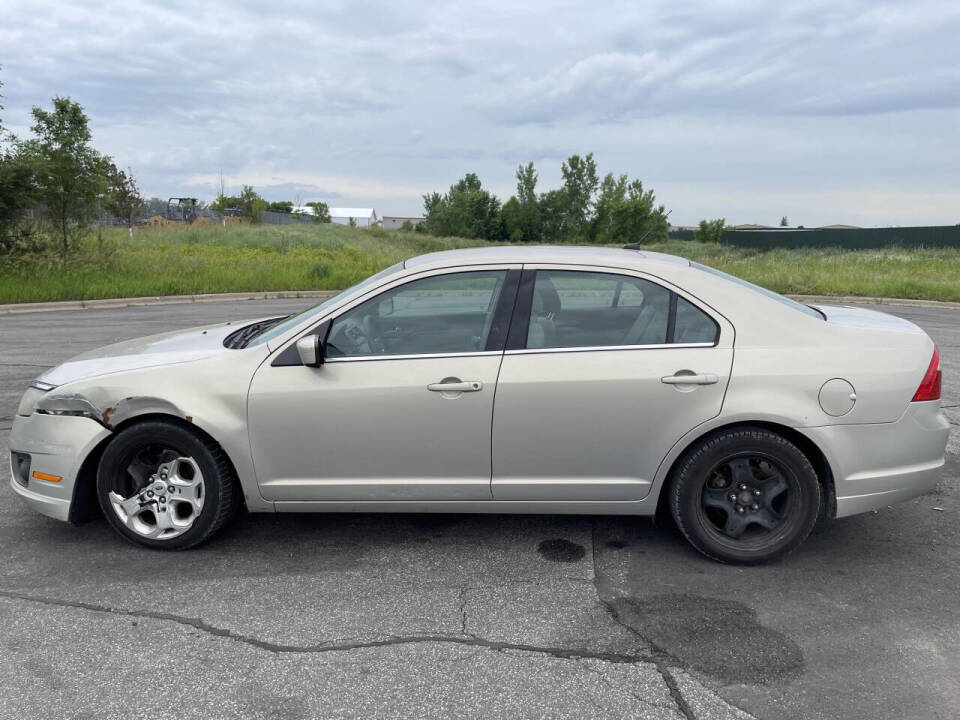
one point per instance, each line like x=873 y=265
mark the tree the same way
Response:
x=70 y=176
x=784 y=222
x=281 y=206
x=710 y=231
x=554 y=215
x=122 y=198
x=579 y=183
x=521 y=213
x=466 y=210
x=16 y=190
x=612 y=192
x=635 y=218
x=321 y=212
x=252 y=206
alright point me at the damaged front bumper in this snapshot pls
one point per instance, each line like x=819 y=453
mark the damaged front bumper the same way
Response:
x=56 y=446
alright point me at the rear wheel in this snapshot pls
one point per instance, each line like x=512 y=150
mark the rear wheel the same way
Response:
x=745 y=495
x=163 y=486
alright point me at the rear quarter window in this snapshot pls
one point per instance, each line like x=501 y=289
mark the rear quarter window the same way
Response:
x=693 y=325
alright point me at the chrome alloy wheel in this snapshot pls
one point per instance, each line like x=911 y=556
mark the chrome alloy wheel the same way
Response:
x=167 y=495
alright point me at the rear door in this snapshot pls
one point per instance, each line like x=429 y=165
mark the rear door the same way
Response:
x=604 y=371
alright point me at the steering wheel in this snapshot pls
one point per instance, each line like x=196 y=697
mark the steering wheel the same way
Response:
x=371 y=331
x=354 y=337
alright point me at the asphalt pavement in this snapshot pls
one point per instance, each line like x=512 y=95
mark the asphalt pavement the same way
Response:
x=442 y=616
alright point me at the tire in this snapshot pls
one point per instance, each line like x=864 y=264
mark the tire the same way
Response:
x=745 y=496
x=194 y=498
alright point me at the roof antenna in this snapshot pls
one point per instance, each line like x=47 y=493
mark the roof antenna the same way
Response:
x=638 y=244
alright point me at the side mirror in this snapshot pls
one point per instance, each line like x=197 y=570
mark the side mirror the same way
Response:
x=310 y=350
x=385 y=307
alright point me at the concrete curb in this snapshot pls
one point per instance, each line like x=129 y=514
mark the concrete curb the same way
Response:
x=160 y=300
x=15 y=308
x=858 y=300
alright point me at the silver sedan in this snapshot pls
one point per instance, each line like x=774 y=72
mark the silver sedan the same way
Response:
x=500 y=380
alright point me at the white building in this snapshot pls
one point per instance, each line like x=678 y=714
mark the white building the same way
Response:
x=392 y=222
x=362 y=217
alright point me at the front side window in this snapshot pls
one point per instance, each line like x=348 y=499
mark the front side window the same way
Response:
x=293 y=321
x=591 y=309
x=440 y=314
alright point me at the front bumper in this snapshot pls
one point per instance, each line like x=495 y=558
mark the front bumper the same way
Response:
x=875 y=465
x=57 y=445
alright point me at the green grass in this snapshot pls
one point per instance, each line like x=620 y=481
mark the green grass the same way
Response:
x=177 y=261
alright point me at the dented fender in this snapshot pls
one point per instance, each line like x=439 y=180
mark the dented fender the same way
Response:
x=106 y=412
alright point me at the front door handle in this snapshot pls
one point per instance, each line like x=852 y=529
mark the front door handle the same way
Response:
x=454 y=385
x=703 y=379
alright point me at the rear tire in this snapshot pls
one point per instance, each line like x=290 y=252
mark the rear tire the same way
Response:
x=165 y=487
x=745 y=496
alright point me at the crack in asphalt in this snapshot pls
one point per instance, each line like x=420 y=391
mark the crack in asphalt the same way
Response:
x=658 y=656
x=651 y=654
x=279 y=648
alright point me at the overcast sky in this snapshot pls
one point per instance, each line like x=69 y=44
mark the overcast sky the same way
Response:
x=827 y=112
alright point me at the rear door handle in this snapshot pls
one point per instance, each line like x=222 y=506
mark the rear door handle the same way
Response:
x=704 y=379
x=457 y=386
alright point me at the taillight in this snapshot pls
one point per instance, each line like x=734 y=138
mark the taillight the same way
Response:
x=930 y=385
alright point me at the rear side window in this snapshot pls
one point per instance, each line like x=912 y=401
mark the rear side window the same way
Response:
x=693 y=325
x=572 y=309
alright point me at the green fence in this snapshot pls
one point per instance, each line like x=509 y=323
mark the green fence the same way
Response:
x=859 y=239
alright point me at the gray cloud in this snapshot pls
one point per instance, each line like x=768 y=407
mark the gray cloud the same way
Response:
x=749 y=110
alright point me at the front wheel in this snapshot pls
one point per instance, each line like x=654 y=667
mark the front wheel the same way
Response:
x=745 y=495
x=163 y=486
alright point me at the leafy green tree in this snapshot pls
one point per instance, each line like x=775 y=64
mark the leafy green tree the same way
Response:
x=784 y=222
x=16 y=191
x=407 y=226
x=636 y=218
x=511 y=215
x=710 y=231
x=579 y=183
x=280 y=206
x=321 y=211
x=122 y=198
x=466 y=210
x=521 y=213
x=252 y=206
x=16 y=197
x=70 y=176
x=554 y=215
x=612 y=192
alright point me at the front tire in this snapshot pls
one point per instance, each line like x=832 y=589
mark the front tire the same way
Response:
x=163 y=486
x=745 y=496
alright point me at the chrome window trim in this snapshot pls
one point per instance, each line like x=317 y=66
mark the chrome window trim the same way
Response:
x=369 y=358
x=599 y=348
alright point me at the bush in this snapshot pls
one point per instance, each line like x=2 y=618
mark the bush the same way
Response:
x=710 y=231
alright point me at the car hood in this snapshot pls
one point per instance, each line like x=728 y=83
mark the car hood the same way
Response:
x=164 y=349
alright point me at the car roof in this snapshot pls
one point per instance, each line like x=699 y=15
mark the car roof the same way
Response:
x=542 y=254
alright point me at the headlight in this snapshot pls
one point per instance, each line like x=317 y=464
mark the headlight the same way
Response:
x=28 y=403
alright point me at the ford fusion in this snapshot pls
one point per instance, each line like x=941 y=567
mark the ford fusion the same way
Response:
x=500 y=380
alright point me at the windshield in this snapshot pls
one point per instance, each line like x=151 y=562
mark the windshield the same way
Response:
x=317 y=310
x=813 y=312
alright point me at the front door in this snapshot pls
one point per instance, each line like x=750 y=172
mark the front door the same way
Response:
x=402 y=407
x=607 y=374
